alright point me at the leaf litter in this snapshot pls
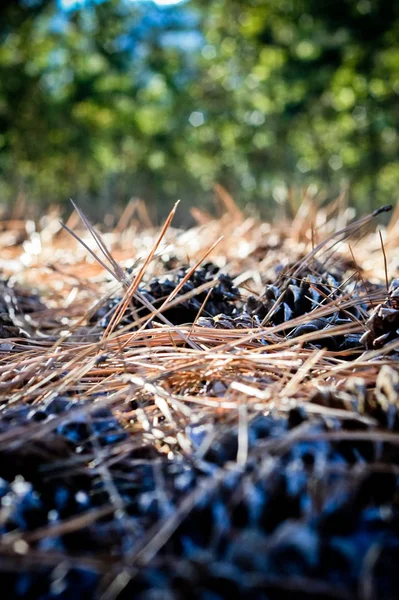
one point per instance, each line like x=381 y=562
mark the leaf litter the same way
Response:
x=189 y=415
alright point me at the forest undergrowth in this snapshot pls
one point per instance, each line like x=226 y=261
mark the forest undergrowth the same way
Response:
x=205 y=413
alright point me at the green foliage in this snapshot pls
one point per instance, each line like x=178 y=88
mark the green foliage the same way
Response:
x=311 y=90
x=100 y=104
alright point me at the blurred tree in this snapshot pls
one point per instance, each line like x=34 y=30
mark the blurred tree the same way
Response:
x=89 y=101
x=116 y=98
x=310 y=94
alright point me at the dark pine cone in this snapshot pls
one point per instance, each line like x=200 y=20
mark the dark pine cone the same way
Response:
x=383 y=323
x=298 y=296
x=14 y=302
x=222 y=298
x=295 y=297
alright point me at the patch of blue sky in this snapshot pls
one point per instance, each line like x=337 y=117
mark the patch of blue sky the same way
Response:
x=188 y=40
x=174 y=28
x=59 y=22
x=76 y=4
x=161 y=2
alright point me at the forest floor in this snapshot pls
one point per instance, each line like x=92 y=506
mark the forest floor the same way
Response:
x=209 y=413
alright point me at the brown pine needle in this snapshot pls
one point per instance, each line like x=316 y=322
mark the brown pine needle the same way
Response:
x=136 y=281
x=385 y=260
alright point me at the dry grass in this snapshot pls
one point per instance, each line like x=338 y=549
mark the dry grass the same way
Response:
x=153 y=378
